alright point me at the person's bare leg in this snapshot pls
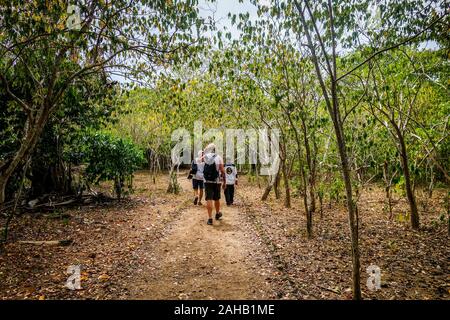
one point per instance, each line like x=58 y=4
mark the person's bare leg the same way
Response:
x=200 y=197
x=209 y=206
x=195 y=196
x=217 y=205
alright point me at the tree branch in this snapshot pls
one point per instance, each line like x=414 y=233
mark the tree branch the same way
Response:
x=390 y=48
x=22 y=103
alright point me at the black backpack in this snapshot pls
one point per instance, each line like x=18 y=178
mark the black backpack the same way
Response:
x=210 y=172
x=194 y=168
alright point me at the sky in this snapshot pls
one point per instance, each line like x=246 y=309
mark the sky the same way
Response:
x=221 y=8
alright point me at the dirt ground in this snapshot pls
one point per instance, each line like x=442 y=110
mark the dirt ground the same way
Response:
x=413 y=264
x=157 y=246
x=196 y=261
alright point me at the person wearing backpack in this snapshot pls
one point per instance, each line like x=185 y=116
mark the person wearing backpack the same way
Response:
x=231 y=180
x=214 y=177
x=197 y=167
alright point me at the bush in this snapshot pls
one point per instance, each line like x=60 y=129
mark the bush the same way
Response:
x=110 y=158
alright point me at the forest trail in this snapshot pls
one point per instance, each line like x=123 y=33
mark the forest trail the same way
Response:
x=156 y=245
x=197 y=261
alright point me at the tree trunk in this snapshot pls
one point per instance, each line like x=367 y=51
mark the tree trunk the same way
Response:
x=307 y=206
x=258 y=181
x=47 y=178
x=448 y=212
x=173 y=187
x=308 y=182
x=321 y=204
x=311 y=171
x=352 y=212
x=273 y=180
x=287 y=189
x=308 y=209
x=118 y=185
x=389 y=200
x=266 y=192
x=340 y=137
x=351 y=206
x=3 y=182
x=277 y=186
x=333 y=110
x=33 y=130
x=408 y=186
x=309 y=223
x=387 y=181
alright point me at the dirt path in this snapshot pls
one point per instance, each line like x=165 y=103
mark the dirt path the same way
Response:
x=153 y=246
x=156 y=245
x=197 y=261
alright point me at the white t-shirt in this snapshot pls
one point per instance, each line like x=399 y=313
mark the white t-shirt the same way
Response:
x=230 y=174
x=200 y=167
x=209 y=158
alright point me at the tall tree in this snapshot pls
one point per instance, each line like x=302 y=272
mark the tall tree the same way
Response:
x=327 y=24
x=54 y=46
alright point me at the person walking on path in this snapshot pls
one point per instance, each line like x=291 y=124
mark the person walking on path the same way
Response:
x=197 y=178
x=231 y=179
x=214 y=176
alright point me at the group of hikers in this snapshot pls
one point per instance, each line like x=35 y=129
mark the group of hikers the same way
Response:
x=209 y=173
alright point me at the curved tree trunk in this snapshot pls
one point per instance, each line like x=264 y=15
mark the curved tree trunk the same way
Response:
x=276 y=186
x=33 y=129
x=274 y=183
x=266 y=192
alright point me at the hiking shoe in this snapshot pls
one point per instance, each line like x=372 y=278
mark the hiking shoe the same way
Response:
x=218 y=215
x=210 y=222
x=195 y=201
